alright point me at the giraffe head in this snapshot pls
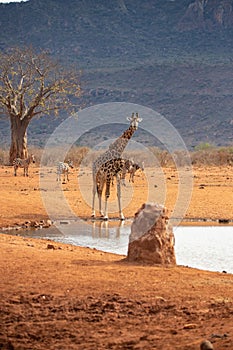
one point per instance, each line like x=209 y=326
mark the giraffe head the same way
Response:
x=134 y=120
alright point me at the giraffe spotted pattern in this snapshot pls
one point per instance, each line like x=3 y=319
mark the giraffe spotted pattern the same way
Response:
x=110 y=165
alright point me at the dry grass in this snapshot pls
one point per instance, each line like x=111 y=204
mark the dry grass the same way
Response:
x=213 y=156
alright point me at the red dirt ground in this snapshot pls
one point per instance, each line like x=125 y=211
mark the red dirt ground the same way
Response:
x=57 y=296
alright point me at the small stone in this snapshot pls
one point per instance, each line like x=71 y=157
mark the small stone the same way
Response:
x=190 y=326
x=49 y=222
x=35 y=224
x=223 y=221
x=206 y=345
x=50 y=246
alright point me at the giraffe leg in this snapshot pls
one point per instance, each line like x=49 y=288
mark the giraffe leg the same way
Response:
x=132 y=177
x=100 y=204
x=107 y=194
x=105 y=216
x=93 y=198
x=118 y=228
x=99 y=187
x=104 y=230
x=121 y=215
x=123 y=175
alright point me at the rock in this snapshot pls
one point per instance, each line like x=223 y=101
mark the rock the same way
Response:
x=223 y=221
x=193 y=17
x=27 y=222
x=35 y=224
x=190 y=326
x=41 y=224
x=206 y=345
x=151 y=240
x=206 y=15
x=47 y=224
x=50 y=246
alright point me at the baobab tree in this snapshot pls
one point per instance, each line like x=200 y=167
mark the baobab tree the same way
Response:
x=31 y=85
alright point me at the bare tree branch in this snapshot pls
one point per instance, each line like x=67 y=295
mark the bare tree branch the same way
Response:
x=33 y=84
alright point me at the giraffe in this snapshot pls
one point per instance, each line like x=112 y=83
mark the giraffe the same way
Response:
x=109 y=165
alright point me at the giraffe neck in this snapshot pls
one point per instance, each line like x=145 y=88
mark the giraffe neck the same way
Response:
x=119 y=145
x=115 y=150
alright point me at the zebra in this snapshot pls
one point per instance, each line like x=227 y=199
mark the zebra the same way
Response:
x=131 y=168
x=23 y=163
x=63 y=168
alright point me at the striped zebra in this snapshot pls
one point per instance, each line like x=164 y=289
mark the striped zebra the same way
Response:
x=63 y=168
x=23 y=163
x=131 y=168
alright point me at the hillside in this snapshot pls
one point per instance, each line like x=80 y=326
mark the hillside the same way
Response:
x=172 y=56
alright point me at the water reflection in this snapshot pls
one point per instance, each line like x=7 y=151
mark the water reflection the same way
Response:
x=203 y=247
x=108 y=236
x=101 y=229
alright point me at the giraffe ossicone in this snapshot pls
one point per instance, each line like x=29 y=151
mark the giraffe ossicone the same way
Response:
x=109 y=165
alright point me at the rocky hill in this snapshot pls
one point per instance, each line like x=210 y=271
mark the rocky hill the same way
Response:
x=169 y=55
